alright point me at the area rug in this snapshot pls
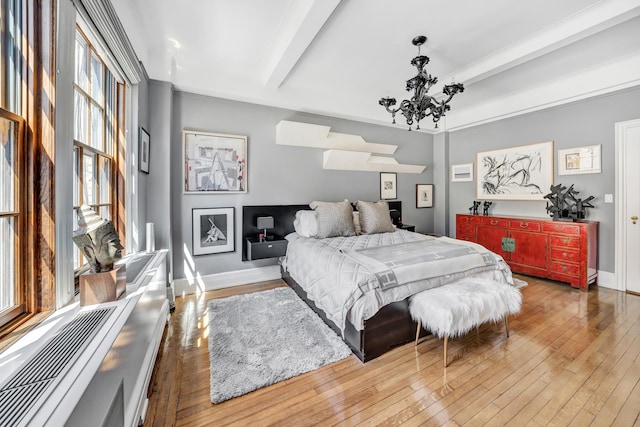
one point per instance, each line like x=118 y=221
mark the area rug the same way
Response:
x=259 y=339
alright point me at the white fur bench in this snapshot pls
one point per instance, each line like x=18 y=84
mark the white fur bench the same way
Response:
x=453 y=310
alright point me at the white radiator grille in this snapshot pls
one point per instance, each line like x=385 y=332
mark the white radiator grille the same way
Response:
x=24 y=389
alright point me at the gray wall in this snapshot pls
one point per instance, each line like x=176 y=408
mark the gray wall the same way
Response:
x=588 y=122
x=278 y=174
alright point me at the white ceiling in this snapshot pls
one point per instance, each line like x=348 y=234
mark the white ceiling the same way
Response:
x=339 y=57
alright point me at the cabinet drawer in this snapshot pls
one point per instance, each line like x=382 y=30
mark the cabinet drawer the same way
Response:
x=270 y=249
x=562 y=254
x=495 y=222
x=566 y=269
x=464 y=228
x=523 y=224
x=565 y=241
x=470 y=219
x=559 y=227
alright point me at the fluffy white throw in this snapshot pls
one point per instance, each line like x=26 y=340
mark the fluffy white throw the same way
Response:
x=458 y=307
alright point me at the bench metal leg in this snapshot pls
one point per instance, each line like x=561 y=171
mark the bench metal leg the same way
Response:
x=418 y=332
x=506 y=324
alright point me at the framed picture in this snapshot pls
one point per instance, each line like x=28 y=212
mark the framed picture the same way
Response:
x=143 y=150
x=388 y=187
x=424 y=195
x=213 y=230
x=516 y=173
x=574 y=161
x=462 y=173
x=214 y=163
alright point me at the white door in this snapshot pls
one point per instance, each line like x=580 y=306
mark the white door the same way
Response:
x=628 y=205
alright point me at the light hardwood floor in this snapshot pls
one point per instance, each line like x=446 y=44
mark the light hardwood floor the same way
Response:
x=573 y=358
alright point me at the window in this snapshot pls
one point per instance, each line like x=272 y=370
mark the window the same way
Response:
x=98 y=109
x=11 y=217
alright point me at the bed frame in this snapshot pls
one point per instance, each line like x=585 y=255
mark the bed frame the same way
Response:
x=389 y=327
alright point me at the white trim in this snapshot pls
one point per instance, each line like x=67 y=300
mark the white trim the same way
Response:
x=607 y=280
x=620 y=203
x=226 y=280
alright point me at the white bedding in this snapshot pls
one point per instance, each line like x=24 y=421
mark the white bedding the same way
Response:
x=346 y=290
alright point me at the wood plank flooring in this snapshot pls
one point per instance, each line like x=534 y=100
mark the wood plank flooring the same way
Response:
x=573 y=359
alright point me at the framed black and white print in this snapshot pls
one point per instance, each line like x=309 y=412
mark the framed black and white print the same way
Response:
x=424 y=195
x=213 y=230
x=516 y=173
x=143 y=152
x=214 y=163
x=388 y=186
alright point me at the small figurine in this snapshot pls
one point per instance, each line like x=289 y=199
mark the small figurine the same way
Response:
x=473 y=210
x=485 y=207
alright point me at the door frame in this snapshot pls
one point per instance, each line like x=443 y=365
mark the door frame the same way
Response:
x=620 y=203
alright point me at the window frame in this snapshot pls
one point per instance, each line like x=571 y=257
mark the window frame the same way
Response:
x=21 y=302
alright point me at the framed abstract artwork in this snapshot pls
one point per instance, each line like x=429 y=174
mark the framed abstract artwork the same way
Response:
x=424 y=195
x=213 y=230
x=214 y=163
x=388 y=186
x=516 y=173
x=462 y=173
x=579 y=160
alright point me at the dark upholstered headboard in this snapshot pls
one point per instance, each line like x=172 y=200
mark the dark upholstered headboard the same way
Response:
x=283 y=216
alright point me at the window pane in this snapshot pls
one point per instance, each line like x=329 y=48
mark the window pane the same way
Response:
x=7 y=165
x=97 y=127
x=105 y=184
x=76 y=176
x=7 y=263
x=96 y=79
x=104 y=212
x=89 y=182
x=76 y=251
x=81 y=75
x=81 y=110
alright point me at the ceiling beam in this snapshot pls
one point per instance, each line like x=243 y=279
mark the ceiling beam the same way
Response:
x=301 y=25
x=590 y=21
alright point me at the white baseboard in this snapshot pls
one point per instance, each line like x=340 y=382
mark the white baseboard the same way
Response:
x=226 y=280
x=607 y=280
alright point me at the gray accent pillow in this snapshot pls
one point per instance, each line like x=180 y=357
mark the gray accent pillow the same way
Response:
x=334 y=218
x=375 y=217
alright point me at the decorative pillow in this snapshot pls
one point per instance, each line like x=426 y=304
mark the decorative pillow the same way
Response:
x=356 y=222
x=334 y=219
x=374 y=217
x=306 y=223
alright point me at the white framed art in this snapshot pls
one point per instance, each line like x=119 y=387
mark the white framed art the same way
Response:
x=516 y=173
x=462 y=172
x=213 y=230
x=388 y=186
x=580 y=160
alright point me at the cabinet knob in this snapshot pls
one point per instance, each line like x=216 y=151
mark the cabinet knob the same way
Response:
x=564 y=254
x=524 y=224
x=564 y=268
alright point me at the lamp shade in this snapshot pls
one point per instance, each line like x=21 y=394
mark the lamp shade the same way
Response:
x=264 y=222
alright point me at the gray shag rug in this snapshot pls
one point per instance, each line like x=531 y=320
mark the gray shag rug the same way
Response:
x=259 y=339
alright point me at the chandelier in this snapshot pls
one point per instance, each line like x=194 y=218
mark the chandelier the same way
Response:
x=421 y=105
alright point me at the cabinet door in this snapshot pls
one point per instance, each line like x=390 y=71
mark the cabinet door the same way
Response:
x=491 y=238
x=531 y=249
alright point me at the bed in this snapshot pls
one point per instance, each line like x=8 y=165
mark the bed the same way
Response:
x=343 y=282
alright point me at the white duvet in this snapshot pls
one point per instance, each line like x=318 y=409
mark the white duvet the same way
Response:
x=346 y=290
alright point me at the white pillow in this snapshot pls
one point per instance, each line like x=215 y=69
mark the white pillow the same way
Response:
x=306 y=223
x=356 y=222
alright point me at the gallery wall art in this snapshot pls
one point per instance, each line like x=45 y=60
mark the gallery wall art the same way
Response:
x=517 y=173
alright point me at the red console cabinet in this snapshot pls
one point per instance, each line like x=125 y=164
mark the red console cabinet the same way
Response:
x=563 y=251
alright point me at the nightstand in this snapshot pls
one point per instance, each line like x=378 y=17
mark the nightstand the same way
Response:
x=266 y=249
x=407 y=227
